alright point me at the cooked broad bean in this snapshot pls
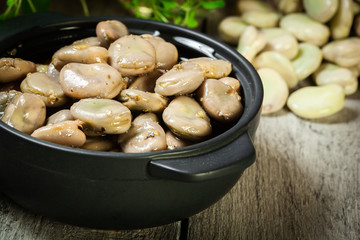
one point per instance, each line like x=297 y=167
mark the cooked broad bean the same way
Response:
x=187 y=119
x=64 y=133
x=220 y=101
x=104 y=115
x=231 y=28
x=137 y=100
x=79 y=54
x=305 y=28
x=213 y=68
x=42 y=85
x=132 y=55
x=330 y=73
x=251 y=42
x=280 y=63
x=110 y=30
x=174 y=142
x=182 y=79
x=317 y=101
x=343 y=52
x=146 y=82
x=166 y=52
x=99 y=143
x=276 y=90
x=60 y=116
x=53 y=72
x=261 y=19
x=90 y=41
x=99 y=80
x=13 y=69
x=26 y=112
x=282 y=41
x=340 y=24
x=321 y=10
x=5 y=99
x=144 y=135
x=307 y=60
x=232 y=82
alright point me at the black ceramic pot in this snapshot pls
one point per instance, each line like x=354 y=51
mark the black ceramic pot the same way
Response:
x=109 y=190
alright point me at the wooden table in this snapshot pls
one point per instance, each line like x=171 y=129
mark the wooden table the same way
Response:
x=303 y=185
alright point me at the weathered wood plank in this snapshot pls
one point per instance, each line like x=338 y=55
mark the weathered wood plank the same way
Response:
x=19 y=224
x=304 y=184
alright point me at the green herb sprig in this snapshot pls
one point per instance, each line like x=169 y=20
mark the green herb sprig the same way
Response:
x=184 y=13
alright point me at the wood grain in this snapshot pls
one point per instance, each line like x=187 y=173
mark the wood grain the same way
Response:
x=304 y=184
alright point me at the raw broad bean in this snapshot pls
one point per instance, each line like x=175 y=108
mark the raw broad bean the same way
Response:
x=104 y=115
x=79 y=54
x=251 y=42
x=91 y=80
x=321 y=10
x=220 y=101
x=282 y=41
x=343 y=52
x=231 y=28
x=60 y=116
x=276 y=90
x=289 y=6
x=26 y=112
x=253 y=5
x=48 y=89
x=280 y=63
x=213 y=68
x=13 y=69
x=166 y=52
x=330 y=73
x=340 y=24
x=317 y=101
x=182 y=79
x=357 y=25
x=145 y=135
x=261 y=19
x=132 y=55
x=307 y=60
x=305 y=28
x=64 y=133
x=137 y=100
x=232 y=82
x=110 y=30
x=187 y=119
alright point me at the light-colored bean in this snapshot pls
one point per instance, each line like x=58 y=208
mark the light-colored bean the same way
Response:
x=282 y=41
x=343 y=52
x=26 y=112
x=305 y=28
x=182 y=79
x=64 y=133
x=145 y=135
x=276 y=90
x=307 y=60
x=280 y=63
x=48 y=89
x=13 y=69
x=132 y=55
x=253 y=5
x=79 y=54
x=231 y=28
x=137 y=100
x=213 y=68
x=251 y=42
x=330 y=73
x=104 y=115
x=60 y=116
x=187 y=119
x=220 y=101
x=261 y=19
x=91 y=80
x=321 y=10
x=340 y=24
x=317 y=101
x=110 y=30
x=289 y=6
x=53 y=72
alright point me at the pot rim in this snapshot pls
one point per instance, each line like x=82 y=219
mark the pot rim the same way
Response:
x=252 y=104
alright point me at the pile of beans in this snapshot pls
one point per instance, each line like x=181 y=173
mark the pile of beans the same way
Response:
x=119 y=92
x=288 y=41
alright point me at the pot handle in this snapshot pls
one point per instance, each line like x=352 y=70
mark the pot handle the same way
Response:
x=234 y=157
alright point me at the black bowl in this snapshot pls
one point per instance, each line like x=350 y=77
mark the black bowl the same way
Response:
x=114 y=190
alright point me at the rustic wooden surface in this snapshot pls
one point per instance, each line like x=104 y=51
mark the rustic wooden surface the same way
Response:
x=303 y=185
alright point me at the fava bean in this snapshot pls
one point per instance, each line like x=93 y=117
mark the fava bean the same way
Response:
x=261 y=19
x=146 y=82
x=289 y=6
x=13 y=69
x=60 y=116
x=340 y=24
x=317 y=101
x=110 y=30
x=213 y=68
x=173 y=141
x=321 y=10
x=251 y=42
x=232 y=82
x=90 y=41
x=137 y=100
x=253 y=5
x=231 y=28
x=343 y=52
x=281 y=41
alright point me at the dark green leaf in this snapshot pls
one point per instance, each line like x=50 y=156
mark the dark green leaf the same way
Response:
x=212 y=4
x=168 y=5
x=39 y=5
